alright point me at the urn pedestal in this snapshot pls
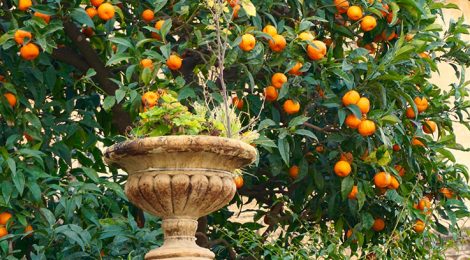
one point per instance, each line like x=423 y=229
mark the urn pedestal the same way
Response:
x=180 y=178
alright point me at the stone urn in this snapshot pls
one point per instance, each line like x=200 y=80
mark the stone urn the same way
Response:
x=180 y=178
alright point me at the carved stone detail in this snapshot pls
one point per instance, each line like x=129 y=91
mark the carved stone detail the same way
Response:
x=180 y=178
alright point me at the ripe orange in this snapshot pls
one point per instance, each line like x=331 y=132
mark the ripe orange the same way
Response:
x=368 y=23
x=24 y=5
x=146 y=63
x=271 y=30
x=421 y=104
x=419 y=226
x=396 y=147
x=291 y=107
x=236 y=9
x=400 y=170
x=278 y=43
x=148 y=15
x=366 y=127
x=317 y=50
x=294 y=172
x=28 y=228
x=341 y=5
x=238 y=103
x=364 y=105
x=3 y=231
x=278 y=79
x=11 y=98
x=158 y=25
x=174 y=62
x=248 y=42
x=388 y=36
x=379 y=225
x=20 y=35
x=352 y=121
x=382 y=179
x=424 y=55
x=429 y=127
x=410 y=113
x=354 y=13
x=348 y=157
x=306 y=36
x=342 y=168
x=29 y=51
x=296 y=69
x=150 y=99
x=96 y=3
x=416 y=142
x=394 y=184
x=353 y=194
x=424 y=204
x=106 y=11
x=448 y=193
x=351 y=97
x=4 y=217
x=91 y=11
x=46 y=18
x=271 y=93
x=238 y=181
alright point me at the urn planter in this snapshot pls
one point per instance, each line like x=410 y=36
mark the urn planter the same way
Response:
x=180 y=178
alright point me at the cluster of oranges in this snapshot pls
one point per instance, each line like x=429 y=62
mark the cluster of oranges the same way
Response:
x=4 y=218
x=429 y=126
x=278 y=42
x=28 y=50
x=364 y=126
x=105 y=12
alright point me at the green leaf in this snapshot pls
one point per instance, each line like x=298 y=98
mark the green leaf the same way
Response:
x=367 y=220
x=284 y=150
x=79 y=15
x=346 y=186
x=120 y=94
x=298 y=121
x=18 y=180
x=48 y=215
x=109 y=102
x=265 y=124
x=12 y=165
x=306 y=133
x=122 y=41
x=391 y=119
x=117 y=58
x=90 y=173
x=446 y=153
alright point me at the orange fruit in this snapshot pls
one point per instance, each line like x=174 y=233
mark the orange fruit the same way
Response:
x=146 y=63
x=370 y=47
x=366 y=127
x=4 y=217
x=368 y=23
x=306 y=36
x=388 y=36
x=96 y=3
x=352 y=121
x=354 y=13
x=320 y=148
x=3 y=231
x=238 y=181
x=341 y=5
x=91 y=11
x=349 y=233
x=88 y=31
x=174 y=62
x=364 y=105
x=46 y=18
x=342 y=168
x=382 y=179
x=353 y=194
x=28 y=137
x=424 y=204
x=424 y=55
x=379 y=225
x=429 y=127
x=24 y=5
x=400 y=170
x=270 y=93
x=278 y=43
x=296 y=69
x=20 y=35
x=348 y=157
x=294 y=172
x=106 y=11
x=278 y=79
x=291 y=107
x=158 y=25
x=394 y=184
x=248 y=42
x=416 y=142
x=148 y=15
x=409 y=37
x=237 y=102
x=351 y=97
x=29 y=51
x=28 y=228
x=396 y=147
x=232 y=3
x=236 y=9
x=150 y=99
x=448 y=193
x=419 y=226
x=410 y=113
x=421 y=103
x=11 y=98
x=317 y=50
x=271 y=30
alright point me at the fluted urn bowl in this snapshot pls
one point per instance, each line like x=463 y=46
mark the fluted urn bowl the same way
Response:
x=180 y=178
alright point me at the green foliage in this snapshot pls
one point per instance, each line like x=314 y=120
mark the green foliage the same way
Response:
x=52 y=171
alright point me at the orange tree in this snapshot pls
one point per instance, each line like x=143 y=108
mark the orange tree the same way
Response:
x=355 y=140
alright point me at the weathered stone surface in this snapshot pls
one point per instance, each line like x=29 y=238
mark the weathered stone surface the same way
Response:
x=180 y=178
